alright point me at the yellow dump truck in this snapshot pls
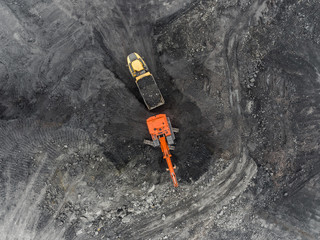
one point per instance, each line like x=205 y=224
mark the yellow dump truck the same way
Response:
x=146 y=84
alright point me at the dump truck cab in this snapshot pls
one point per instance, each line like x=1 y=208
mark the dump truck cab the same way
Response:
x=136 y=65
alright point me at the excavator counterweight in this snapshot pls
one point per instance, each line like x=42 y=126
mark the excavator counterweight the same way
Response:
x=161 y=132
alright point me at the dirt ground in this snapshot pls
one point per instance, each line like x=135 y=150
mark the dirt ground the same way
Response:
x=241 y=80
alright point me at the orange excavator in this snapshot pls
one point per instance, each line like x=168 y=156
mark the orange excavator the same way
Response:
x=162 y=134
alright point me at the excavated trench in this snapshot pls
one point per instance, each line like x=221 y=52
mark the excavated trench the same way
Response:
x=240 y=81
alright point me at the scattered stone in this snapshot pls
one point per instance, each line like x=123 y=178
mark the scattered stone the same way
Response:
x=150 y=199
x=126 y=219
x=83 y=219
x=151 y=189
x=79 y=232
x=99 y=212
x=121 y=213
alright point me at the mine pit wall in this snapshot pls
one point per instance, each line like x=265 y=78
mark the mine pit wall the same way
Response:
x=269 y=98
x=283 y=89
x=205 y=70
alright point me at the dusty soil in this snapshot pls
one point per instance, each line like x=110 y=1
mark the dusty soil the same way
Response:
x=241 y=81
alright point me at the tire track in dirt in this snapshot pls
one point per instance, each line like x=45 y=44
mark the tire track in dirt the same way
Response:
x=29 y=165
x=231 y=182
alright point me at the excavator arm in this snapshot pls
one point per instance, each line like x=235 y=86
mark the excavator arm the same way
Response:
x=167 y=157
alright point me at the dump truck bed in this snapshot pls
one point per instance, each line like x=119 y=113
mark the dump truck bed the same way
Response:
x=150 y=92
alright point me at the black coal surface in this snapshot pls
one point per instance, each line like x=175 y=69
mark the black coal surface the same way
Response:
x=241 y=80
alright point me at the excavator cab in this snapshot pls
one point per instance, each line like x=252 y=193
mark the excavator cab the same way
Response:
x=160 y=125
x=162 y=134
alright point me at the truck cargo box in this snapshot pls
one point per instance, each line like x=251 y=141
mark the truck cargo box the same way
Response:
x=150 y=92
